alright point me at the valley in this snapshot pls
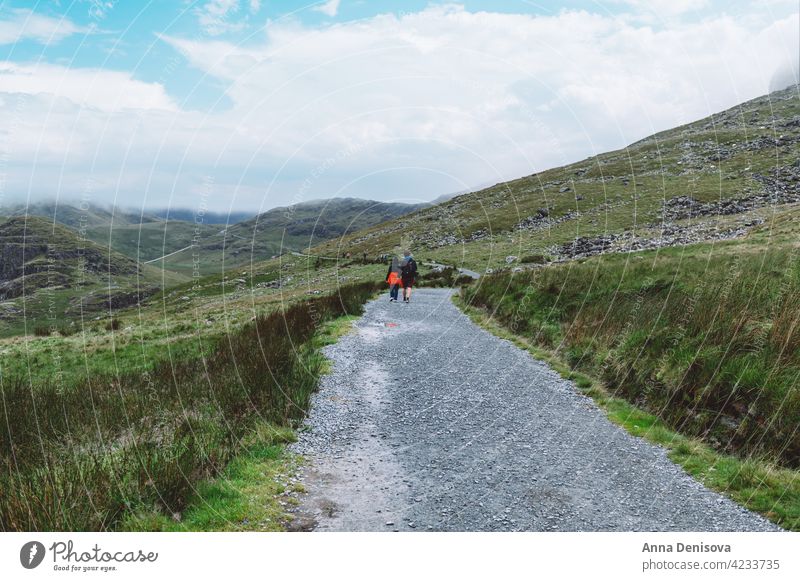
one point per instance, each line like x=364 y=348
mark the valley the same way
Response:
x=662 y=279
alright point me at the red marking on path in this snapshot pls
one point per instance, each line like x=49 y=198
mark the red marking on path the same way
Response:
x=391 y=324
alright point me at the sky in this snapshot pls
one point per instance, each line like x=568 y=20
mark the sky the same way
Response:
x=244 y=105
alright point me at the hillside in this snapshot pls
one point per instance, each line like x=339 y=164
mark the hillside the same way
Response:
x=187 y=246
x=78 y=215
x=716 y=178
x=148 y=241
x=49 y=275
x=282 y=230
x=724 y=177
x=142 y=236
x=209 y=218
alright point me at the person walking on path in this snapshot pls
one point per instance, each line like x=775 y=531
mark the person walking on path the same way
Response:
x=408 y=274
x=393 y=278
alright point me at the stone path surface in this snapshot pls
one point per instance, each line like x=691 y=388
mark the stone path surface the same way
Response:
x=428 y=422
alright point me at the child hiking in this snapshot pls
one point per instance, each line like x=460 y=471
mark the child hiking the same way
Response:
x=393 y=278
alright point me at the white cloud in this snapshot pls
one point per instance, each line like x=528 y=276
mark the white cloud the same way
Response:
x=93 y=89
x=218 y=17
x=215 y=16
x=330 y=8
x=666 y=8
x=464 y=98
x=22 y=24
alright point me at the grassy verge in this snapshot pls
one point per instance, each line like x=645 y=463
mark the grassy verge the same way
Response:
x=706 y=337
x=256 y=488
x=760 y=486
x=86 y=456
x=251 y=493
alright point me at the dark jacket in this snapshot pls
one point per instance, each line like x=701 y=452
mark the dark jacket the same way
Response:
x=408 y=269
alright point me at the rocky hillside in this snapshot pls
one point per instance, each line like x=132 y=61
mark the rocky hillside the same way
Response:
x=731 y=176
x=36 y=253
x=717 y=178
x=49 y=273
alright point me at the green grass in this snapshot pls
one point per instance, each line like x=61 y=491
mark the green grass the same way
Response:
x=251 y=494
x=94 y=350
x=256 y=488
x=756 y=484
x=150 y=240
x=704 y=336
x=138 y=442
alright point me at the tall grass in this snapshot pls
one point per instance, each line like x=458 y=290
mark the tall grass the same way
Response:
x=707 y=342
x=80 y=457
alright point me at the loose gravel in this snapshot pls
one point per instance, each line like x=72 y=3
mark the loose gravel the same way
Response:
x=428 y=422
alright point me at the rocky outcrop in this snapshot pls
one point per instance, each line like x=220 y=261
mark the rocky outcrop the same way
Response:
x=109 y=301
x=782 y=187
x=670 y=235
x=542 y=220
x=36 y=253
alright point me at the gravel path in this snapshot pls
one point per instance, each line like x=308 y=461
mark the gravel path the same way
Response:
x=427 y=422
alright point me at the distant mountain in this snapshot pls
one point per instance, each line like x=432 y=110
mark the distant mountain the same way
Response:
x=77 y=215
x=210 y=218
x=285 y=229
x=182 y=246
x=140 y=236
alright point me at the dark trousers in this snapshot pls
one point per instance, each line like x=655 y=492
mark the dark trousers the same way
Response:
x=394 y=290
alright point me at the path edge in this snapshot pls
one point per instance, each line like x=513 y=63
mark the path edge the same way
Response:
x=693 y=456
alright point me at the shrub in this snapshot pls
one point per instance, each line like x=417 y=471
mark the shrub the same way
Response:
x=443 y=277
x=533 y=259
x=67 y=330
x=41 y=331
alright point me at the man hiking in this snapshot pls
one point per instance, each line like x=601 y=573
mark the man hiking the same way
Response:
x=408 y=274
x=393 y=278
